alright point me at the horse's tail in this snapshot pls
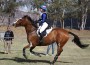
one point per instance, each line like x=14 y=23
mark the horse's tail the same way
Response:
x=77 y=41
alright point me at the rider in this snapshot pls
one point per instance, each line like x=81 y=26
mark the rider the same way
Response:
x=42 y=21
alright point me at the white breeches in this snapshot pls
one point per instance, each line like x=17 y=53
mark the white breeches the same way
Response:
x=43 y=27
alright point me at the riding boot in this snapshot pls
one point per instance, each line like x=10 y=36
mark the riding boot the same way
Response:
x=40 y=38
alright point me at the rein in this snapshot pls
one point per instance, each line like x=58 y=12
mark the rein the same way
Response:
x=32 y=31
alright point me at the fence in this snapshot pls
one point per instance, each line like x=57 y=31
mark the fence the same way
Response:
x=2 y=35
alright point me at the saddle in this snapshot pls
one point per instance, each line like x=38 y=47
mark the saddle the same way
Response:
x=45 y=32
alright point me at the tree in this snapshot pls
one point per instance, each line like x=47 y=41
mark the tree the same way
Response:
x=8 y=8
x=38 y=3
x=84 y=6
x=60 y=8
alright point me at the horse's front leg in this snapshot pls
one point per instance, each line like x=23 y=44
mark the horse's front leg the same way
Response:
x=24 y=54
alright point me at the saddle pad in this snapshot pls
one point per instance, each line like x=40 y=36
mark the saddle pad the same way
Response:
x=48 y=31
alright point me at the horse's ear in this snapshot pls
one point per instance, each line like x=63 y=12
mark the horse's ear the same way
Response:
x=27 y=20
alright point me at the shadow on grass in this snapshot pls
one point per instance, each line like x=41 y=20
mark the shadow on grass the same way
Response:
x=2 y=52
x=32 y=61
x=64 y=62
x=20 y=60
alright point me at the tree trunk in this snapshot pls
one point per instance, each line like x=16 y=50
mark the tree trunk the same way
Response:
x=84 y=13
x=84 y=18
x=54 y=24
x=63 y=18
x=9 y=20
x=63 y=24
x=71 y=24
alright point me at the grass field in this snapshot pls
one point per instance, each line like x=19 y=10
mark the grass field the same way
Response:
x=72 y=55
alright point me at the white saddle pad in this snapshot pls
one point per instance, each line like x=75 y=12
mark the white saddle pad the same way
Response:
x=48 y=31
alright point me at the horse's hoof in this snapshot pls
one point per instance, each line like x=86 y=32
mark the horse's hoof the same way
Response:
x=39 y=55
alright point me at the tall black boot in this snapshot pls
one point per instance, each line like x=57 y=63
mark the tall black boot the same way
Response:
x=40 y=38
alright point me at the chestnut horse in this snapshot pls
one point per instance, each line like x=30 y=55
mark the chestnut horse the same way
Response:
x=58 y=35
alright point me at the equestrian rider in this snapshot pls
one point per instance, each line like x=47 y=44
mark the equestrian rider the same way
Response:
x=42 y=21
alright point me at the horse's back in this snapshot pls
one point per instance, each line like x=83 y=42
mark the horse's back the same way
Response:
x=56 y=32
x=59 y=32
x=61 y=35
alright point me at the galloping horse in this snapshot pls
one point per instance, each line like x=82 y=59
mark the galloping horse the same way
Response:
x=58 y=35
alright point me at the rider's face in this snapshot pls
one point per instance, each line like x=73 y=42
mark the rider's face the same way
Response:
x=41 y=10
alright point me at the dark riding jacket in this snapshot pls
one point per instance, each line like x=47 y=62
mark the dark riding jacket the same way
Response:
x=8 y=35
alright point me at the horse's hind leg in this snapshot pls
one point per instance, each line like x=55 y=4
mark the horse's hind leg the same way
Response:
x=59 y=50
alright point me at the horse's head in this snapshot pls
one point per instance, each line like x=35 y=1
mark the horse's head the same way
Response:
x=25 y=20
x=19 y=22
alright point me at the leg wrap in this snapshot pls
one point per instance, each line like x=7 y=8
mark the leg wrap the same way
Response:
x=23 y=50
x=55 y=59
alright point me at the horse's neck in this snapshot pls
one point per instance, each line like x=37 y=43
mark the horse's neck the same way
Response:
x=29 y=29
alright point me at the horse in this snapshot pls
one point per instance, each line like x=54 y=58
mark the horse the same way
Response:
x=58 y=35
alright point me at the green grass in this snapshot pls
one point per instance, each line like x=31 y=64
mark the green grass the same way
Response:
x=72 y=55
x=16 y=57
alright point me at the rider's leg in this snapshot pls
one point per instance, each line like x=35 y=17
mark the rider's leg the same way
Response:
x=43 y=27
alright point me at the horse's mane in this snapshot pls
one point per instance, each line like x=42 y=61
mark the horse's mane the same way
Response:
x=32 y=21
